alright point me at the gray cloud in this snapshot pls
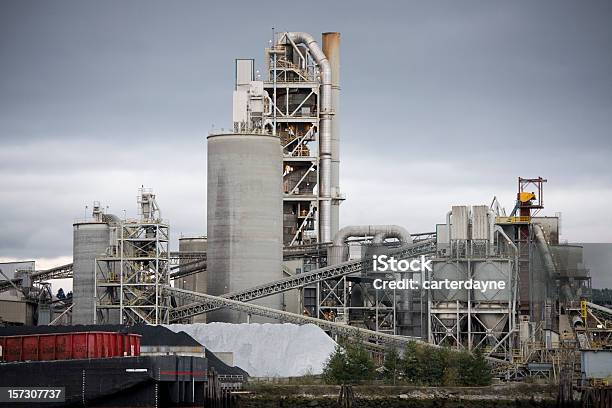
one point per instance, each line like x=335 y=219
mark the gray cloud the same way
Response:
x=442 y=102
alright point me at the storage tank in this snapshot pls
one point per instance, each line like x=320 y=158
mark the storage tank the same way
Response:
x=496 y=271
x=449 y=298
x=91 y=239
x=495 y=300
x=196 y=282
x=453 y=271
x=460 y=222
x=244 y=211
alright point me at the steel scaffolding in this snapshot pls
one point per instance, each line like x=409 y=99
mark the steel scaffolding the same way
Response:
x=294 y=116
x=130 y=279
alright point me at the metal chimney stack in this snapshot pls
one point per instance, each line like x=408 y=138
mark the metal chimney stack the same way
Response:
x=331 y=49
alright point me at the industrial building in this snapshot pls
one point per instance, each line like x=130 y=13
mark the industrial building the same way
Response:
x=274 y=251
x=17 y=308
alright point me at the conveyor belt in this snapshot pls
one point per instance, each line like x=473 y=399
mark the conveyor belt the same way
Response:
x=188 y=269
x=216 y=302
x=298 y=281
x=341 y=329
x=300 y=251
x=187 y=255
x=198 y=263
x=600 y=308
x=59 y=272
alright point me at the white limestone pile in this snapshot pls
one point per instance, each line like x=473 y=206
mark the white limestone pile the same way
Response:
x=266 y=350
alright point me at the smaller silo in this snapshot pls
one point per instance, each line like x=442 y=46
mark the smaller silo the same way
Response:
x=196 y=282
x=91 y=239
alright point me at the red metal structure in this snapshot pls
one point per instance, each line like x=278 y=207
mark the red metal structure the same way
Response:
x=68 y=346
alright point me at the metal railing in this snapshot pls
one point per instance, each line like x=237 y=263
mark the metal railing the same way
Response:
x=513 y=220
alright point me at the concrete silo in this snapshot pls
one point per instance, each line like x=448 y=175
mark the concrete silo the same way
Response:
x=244 y=216
x=91 y=239
x=196 y=282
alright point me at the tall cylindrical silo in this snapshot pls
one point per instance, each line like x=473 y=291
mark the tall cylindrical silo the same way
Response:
x=91 y=239
x=245 y=246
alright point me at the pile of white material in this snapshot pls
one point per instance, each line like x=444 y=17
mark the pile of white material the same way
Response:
x=266 y=350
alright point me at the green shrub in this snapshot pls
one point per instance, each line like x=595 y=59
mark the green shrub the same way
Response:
x=410 y=365
x=392 y=365
x=351 y=364
x=423 y=365
x=418 y=365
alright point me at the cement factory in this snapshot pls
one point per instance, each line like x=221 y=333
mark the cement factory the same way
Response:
x=275 y=250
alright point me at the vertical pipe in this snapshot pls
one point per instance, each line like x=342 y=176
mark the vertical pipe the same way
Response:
x=457 y=325
x=325 y=114
x=345 y=309
x=331 y=49
x=469 y=306
x=274 y=96
x=491 y=219
x=121 y=278
x=430 y=337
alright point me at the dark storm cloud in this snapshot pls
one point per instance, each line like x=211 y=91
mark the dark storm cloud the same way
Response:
x=442 y=103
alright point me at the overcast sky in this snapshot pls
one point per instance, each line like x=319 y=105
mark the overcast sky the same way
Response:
x=442 y=103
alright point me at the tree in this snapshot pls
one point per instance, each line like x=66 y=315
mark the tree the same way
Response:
x=336 y=369
x=392 y=365
x=360 y=364
x=350 y=364
x=427 y=365
x=481 y=371
x=473 y=369
x=464 y=363
x=452 y=372
x=432 y=362
x=410 y=364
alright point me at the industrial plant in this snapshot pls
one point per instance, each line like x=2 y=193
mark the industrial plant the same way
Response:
x=275 y=250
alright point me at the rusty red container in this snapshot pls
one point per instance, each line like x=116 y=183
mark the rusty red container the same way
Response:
x=68 y=346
